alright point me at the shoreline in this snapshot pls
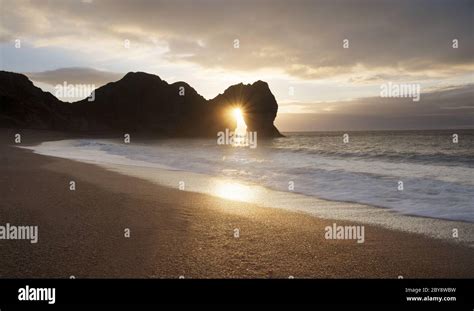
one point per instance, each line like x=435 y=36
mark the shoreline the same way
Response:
x=176 y=233
x=260 y=195
x=308 y=205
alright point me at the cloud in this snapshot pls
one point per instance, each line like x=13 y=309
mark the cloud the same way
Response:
x=301 y=38
x=75 y=75
x=451 y=107
x=430 y=104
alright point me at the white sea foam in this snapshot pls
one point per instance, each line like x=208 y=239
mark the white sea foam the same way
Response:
x=436 y=190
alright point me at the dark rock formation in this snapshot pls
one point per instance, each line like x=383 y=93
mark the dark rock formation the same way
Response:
x=257 y=103
x=23 y=105
x=138 y=103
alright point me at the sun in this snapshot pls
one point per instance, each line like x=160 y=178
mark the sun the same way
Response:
x=237 y=112
x=241 y=127
x=240 y=131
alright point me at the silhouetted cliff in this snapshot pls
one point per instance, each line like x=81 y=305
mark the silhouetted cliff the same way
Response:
x=23 y=105
x=138 y=103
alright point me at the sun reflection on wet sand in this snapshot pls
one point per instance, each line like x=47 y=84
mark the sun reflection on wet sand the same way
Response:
x=234 y=191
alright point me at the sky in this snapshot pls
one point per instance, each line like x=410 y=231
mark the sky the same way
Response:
x=326 y=62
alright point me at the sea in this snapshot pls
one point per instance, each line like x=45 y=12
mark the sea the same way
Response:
x=418 y=173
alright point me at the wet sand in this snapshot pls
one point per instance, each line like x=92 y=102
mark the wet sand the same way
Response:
x=176 y=233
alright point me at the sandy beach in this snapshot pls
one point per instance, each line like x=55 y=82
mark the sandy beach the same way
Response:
x=176 y=233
